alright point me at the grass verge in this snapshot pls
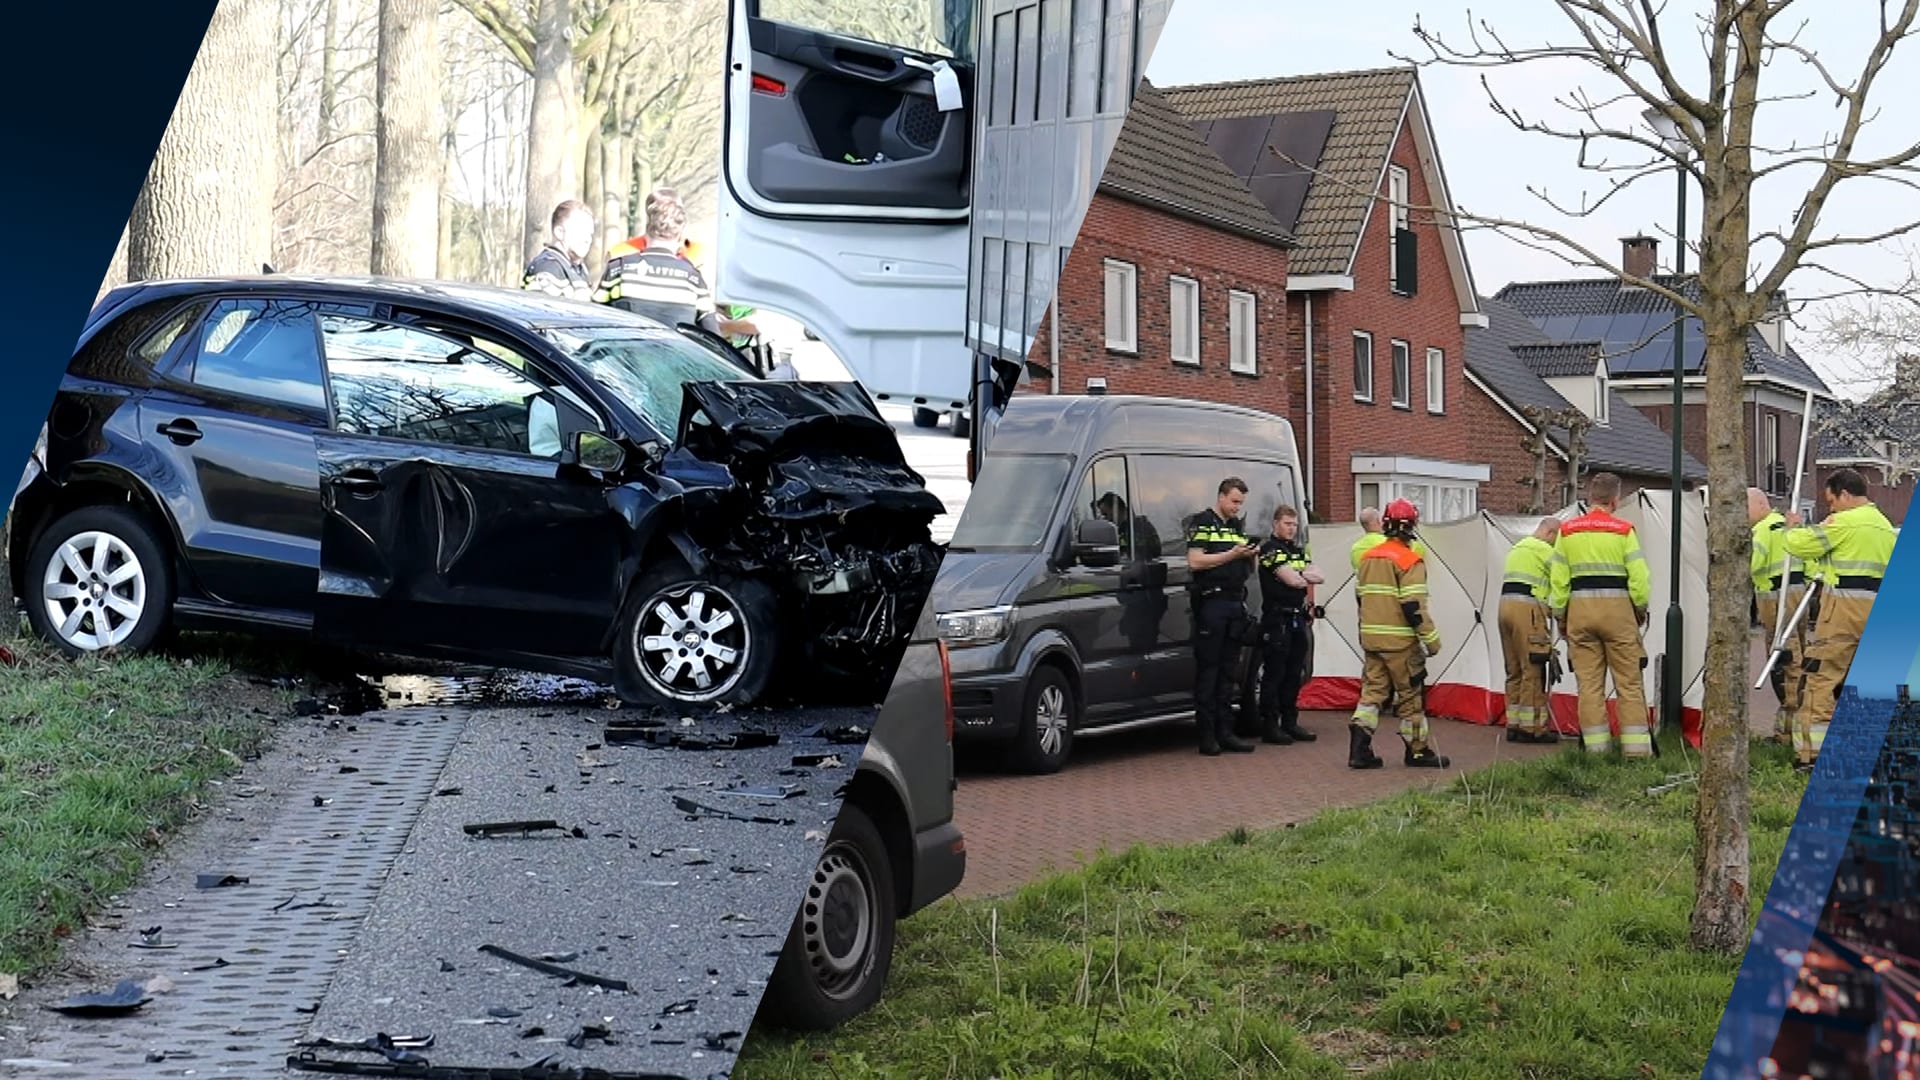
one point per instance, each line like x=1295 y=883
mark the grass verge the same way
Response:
x=1528 y=921
x=101 y=759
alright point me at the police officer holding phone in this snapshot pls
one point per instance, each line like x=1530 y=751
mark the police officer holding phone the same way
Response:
x=1220 y=558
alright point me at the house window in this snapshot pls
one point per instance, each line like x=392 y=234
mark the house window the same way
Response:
x=1602 y=395
x=1362 y=366
x=1183 y=320
x=1402 y=375
x=1436 y=381
x=1123 y=304
x=1369 y=496
x=1400 y=221
x=1776 y=470
x=1241 y=331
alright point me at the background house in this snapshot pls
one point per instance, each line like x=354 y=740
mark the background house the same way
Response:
x=1627 y=331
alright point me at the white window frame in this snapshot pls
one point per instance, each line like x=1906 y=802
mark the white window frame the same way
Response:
x=1122 y=286
x=1186 y=352
x=1404 y=486
x=1399 y=188
x=1602 y=395
x=1436 y=381
x=1402 y=394
x=1243 y=332
x=1363 y=393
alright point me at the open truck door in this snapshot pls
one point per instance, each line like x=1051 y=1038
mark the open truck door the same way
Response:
x=846 y=184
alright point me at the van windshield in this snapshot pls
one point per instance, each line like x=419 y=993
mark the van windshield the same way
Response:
x=1012 y=502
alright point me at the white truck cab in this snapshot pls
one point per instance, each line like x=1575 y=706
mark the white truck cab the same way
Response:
x=904 y=178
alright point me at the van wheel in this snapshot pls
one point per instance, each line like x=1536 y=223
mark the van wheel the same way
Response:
x=925 y=417
x=1047 y=719
x=962 y=427
x=98 y=579
x=687 y=639
x=838 y=953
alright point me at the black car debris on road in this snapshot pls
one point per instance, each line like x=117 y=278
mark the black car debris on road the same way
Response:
x=468 y=473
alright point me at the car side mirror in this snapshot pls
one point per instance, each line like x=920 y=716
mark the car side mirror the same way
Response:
x=592 y=450
x=1097 y=544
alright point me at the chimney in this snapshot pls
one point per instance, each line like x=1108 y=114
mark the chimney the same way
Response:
x=1639 y=256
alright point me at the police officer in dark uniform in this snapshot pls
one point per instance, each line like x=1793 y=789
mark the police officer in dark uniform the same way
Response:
x=1286 y=576
x=1219 y=556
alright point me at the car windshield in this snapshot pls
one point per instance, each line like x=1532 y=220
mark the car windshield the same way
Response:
x=646 y=368
x=1012 y=502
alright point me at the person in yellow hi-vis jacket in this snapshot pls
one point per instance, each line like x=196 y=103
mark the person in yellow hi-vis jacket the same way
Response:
x=1599 y=589
x=1770 y=590
x=1370 y=537
x=1854 y=543
x=1526 y=635
x=1397 y=634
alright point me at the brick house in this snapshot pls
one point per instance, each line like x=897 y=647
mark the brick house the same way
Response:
x=1620 y=336
x=1179 y=291
x=1379 y=292
x=1519 y=367
x=1879 y=439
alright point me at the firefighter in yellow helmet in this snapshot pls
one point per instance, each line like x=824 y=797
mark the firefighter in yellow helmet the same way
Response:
x=1854 y=544
x=1770 y=590
x=1526 y=635
x=1599 y=593
x=1397 y=634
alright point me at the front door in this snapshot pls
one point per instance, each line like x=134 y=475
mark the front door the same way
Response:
x=234 y=420
x=449 y=520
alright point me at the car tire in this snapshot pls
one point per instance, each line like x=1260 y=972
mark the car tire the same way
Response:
x=839 y=951
x=962 y=427
x=109 y=542
x=1049 y=713
x=738 y=653
x=925 y=418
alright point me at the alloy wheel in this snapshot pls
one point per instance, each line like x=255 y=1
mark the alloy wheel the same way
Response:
x=1050 y=719
x=692 y=642
x=94 y=590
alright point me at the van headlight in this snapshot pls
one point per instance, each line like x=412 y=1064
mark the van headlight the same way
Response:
x=982 y=627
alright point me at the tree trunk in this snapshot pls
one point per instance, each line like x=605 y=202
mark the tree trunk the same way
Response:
x=553 y=164
x=593 y=188
x=408 y=132
x=207 y=207
x=616 y=173
x=329 y=47
x=1721 y=870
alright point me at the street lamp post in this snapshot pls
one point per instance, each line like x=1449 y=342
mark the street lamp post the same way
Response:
x=1672 y=677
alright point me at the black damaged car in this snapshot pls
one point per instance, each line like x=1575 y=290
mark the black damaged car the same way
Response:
x=467 y=473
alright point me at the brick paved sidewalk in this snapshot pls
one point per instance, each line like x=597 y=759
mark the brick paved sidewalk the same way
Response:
x=1152 y=787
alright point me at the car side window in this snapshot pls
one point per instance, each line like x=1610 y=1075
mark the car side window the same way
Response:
x=1169 y=489
x=261 y=349
x=397 y=382
x=1269 y=487
x=1104 y=497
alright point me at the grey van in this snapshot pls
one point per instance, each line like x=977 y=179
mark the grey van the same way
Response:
x=1063 y=595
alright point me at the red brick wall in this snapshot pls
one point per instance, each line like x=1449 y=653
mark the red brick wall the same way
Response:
x=1428 y=319
x=1694 y=437
x=1159 y=245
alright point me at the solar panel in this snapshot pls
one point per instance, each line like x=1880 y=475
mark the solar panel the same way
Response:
x=1241 y=142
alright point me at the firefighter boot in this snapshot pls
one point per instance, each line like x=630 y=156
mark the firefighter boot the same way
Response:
x=1425 y=758
x=1360 y=753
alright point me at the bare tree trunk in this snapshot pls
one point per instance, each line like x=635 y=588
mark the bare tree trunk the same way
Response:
x=329 y=47
x=407 y=169
x=207 y=207
x=616 y=171
x=1722 y=872
x=593 y=188
x=553 y=163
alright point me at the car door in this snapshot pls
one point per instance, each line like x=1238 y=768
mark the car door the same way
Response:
x=1115 y=611
x=845 y=192
x=1170 y=489
x=232 y=422
x=449 y=520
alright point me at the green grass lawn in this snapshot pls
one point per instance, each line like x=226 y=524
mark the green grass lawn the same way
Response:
x=1530 y=921
x=99 y=761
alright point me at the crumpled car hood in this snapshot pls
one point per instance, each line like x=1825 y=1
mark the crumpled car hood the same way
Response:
x=810 y=449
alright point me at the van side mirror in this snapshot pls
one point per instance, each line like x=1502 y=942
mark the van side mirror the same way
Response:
x=1097 y=544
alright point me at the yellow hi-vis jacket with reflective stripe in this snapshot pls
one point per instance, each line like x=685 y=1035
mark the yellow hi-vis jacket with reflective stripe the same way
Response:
x=1598 y=555
x=1769 y=552
x=1855 y=546
x=1369 y=541
x=1527 y=565
x=1392 y=587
